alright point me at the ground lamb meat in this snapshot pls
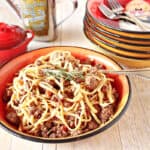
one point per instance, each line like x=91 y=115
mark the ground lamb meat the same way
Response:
x=91 y=83
x=106 y=113
x=7 y=95
x=12 y=117
x=92 y=125
x=52 y=131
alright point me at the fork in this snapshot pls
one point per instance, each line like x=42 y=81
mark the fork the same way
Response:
x=142 y=72
x=119 y=10
x=110 y=14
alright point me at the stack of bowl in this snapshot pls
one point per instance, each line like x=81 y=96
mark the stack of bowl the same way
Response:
x=131 y=47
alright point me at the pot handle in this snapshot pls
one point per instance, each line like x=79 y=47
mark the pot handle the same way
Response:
x=75 y=6
x=30 y=36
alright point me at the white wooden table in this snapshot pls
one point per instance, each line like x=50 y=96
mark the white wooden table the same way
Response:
x=131 y=132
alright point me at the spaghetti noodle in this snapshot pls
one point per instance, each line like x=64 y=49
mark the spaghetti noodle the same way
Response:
x=59 y=96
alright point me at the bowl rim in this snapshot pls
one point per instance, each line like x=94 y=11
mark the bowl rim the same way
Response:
x=115 y=36
x=82 y=136
x=118 y=52
x=115 y=43
x=88 y=17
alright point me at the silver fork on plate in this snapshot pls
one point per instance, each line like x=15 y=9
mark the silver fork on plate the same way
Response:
x=110 y=14
x=119 y=10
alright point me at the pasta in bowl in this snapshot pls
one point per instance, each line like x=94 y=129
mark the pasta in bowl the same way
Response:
x=59 y=94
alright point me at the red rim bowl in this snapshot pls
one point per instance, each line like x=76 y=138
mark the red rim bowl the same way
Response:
x=121 y=82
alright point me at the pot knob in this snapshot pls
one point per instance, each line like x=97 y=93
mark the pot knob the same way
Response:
x=10 y=35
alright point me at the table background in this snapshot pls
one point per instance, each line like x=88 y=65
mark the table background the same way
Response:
x=131 y=132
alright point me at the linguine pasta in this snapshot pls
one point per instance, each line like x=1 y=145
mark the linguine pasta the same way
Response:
x=58 y=96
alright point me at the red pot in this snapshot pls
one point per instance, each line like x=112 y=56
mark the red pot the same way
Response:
x=13 y=41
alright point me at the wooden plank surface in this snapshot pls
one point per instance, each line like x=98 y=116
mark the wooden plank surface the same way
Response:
x=131 y=132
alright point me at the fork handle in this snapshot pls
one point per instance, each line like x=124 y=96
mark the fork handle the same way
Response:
x=137 y=21
x=143 y=73
x=125 y=17
x=133 y=19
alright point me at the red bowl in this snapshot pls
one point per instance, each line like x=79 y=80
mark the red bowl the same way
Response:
x=121 y=83
x=7 y=54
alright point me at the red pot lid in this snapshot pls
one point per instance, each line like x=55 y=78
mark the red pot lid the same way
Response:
x=10 y=35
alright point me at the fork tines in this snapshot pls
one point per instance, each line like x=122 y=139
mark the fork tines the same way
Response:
x=115 y=6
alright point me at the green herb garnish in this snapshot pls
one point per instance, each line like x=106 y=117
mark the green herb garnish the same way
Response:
x=61 y=73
